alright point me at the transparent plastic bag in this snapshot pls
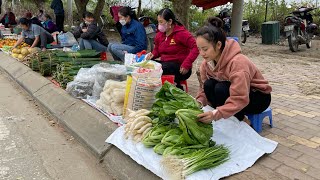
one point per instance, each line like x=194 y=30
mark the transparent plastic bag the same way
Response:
x=82 y=85
x=106 y=72
x=67 y=39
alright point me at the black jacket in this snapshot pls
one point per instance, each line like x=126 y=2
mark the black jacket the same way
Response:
x=94 y=32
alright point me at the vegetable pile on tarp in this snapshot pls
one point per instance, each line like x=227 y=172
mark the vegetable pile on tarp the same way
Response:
x=170 y=99
x=47 y=62
x=112 y=97
x=187 y=146
x=138 y=124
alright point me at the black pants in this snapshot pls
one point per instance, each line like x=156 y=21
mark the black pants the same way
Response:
x=218 y=92
x=44 y=40
x=173 y=68
x=59 y=22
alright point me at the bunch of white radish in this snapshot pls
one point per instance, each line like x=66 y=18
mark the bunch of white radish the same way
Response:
x=138 y=124
x=112 y=97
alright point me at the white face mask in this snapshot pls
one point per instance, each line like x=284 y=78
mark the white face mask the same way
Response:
x=122 y=22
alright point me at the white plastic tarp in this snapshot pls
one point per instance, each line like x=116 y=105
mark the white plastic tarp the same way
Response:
x=246 y=147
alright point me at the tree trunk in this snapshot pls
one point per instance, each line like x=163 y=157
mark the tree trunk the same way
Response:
x=81 y=6
x=139 y=8
x=181 y=9
x=98 y=10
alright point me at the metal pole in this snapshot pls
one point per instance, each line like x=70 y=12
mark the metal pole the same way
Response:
x=237 y=16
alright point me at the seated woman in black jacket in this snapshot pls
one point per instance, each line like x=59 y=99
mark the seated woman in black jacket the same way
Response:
x=90 y=35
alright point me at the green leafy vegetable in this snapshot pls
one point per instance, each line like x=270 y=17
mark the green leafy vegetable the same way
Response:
x=156 y=134
x=170 y=99
x=194 y=132
x=180 y=166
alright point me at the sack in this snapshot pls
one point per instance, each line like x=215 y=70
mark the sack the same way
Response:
x=67 y=39
x=141 y=88
x=104 y=72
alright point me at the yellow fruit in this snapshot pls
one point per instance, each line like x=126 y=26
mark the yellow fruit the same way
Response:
x=24 y=51
x=18 y=51
x=21 y=57
x=14 y=50
x=33 y=50
x=15 y=55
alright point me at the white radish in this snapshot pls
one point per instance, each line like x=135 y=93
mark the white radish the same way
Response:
x=139 y=119
x=138 y=112
x=143 y=128
x=146 y=131
x=143 y=113
x=140 y=125
x=137 y=137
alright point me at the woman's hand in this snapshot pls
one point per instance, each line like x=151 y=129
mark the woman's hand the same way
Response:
x=149 y=56
x=85 y=30
x=183 y=71
x=207 y=117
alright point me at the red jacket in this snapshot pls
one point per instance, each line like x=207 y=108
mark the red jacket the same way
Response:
x=179 y=46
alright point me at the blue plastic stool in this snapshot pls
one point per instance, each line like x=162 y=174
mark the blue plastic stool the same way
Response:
x=256 y=119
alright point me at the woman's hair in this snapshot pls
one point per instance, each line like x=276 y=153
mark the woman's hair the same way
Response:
x=25 y=21
x=167 y=14
x=128 y=11
x=87 y=15
x=47 y=16
x=28 y=15
x=213 y=32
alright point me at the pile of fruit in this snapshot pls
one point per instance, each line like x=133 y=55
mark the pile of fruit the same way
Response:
x=21 y=53
x=11 y=42
x=7 y=42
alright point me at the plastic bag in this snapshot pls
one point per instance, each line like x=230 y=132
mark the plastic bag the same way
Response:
x=67 y=39
x=82 y=85
x=106 y=72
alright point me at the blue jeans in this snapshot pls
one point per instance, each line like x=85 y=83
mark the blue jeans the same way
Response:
x=117 y=50
x=91 y=44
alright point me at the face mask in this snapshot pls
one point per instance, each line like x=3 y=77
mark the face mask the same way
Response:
x=123 y=22
x=162 y=27
x=87 y=22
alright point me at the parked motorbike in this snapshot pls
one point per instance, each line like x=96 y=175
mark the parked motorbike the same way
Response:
x=224 y=16
x=299 y=28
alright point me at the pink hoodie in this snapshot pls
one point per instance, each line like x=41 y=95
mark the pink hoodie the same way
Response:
x=241 y=72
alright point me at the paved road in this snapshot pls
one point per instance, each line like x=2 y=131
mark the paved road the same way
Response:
x=32 y=146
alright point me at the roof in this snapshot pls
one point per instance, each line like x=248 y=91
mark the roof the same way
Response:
x=207 y=4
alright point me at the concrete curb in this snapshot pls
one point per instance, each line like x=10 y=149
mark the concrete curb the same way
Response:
x=86 y=124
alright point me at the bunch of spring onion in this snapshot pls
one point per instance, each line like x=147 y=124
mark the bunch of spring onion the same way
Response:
x=180 y=166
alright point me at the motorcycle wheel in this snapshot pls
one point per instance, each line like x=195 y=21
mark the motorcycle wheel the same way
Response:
x=244 y=35
x=293 y=42
x=308 y=44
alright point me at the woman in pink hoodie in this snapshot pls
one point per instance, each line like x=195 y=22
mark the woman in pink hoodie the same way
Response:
x=230 y=82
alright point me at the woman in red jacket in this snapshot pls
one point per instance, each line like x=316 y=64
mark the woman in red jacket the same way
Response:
x=175 y=46
x=230 y=82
